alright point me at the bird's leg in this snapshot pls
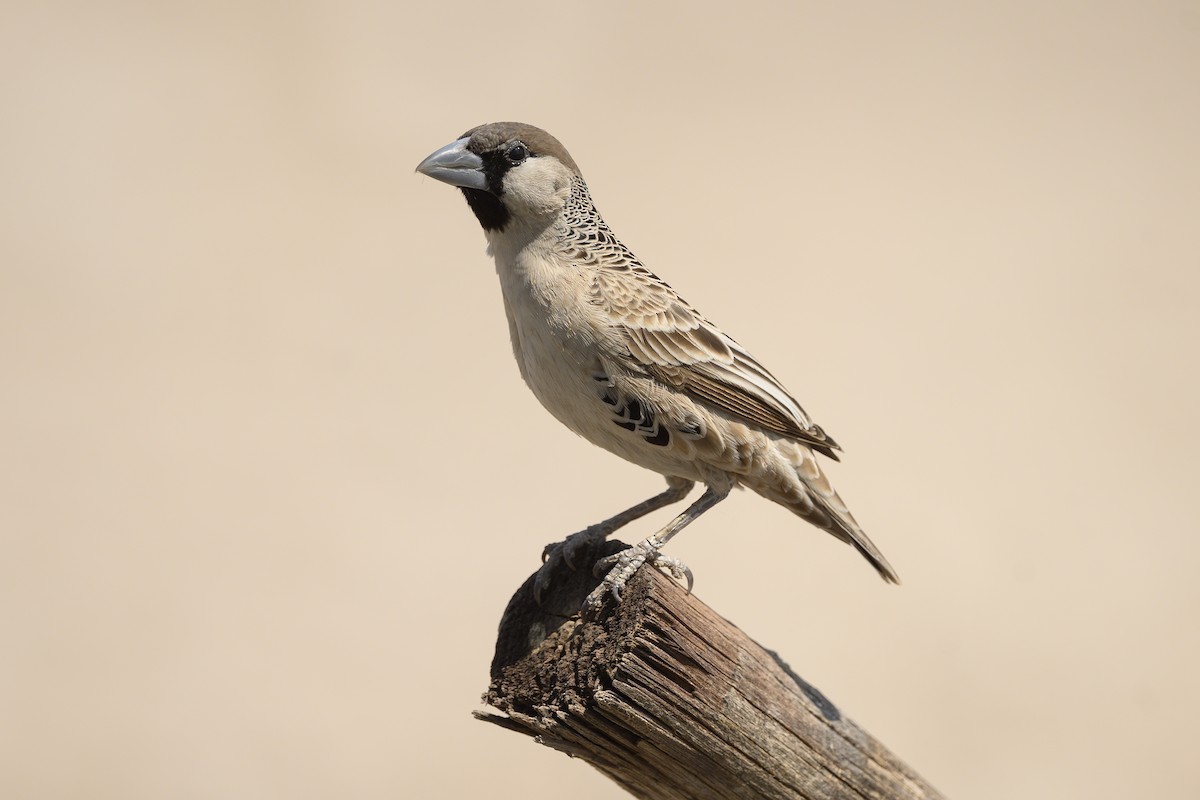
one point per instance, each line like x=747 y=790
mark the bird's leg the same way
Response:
x=624 y=564
x=566 y=550
x=677 y=489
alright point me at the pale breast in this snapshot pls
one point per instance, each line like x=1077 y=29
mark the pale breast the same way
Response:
x=555 y=335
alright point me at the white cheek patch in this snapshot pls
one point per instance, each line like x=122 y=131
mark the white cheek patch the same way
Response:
x=538 y=186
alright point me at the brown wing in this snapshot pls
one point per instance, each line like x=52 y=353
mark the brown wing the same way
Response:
x=679 y=347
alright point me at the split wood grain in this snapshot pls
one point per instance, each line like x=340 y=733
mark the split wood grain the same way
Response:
x=674 y=702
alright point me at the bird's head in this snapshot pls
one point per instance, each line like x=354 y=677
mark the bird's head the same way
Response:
x=509 y=171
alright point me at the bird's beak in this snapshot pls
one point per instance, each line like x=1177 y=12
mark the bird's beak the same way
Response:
x=456 y=165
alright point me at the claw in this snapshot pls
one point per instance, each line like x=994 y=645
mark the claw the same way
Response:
x=614 y=571
x=540 y=583
x=600 y=568
x=676 y=569
x=564 y=552
x=568 y=554
x=620 y=567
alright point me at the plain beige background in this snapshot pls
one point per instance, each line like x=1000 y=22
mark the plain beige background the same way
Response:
x=268 y=474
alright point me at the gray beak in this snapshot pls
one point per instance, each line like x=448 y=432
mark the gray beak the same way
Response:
x=456 y=165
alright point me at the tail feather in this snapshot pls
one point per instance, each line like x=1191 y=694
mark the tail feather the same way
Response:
x=822 y=506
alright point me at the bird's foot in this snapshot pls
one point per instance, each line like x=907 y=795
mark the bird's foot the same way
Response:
x=622 y=566
x=566 y=552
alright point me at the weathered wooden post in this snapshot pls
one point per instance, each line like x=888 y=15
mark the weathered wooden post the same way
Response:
x=673 y=701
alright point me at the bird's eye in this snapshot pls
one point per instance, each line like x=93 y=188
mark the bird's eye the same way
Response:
x=516 y=152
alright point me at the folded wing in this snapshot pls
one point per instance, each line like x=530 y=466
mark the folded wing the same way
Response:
x=679 y=347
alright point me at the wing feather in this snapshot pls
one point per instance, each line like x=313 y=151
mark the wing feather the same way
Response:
x=676 y=345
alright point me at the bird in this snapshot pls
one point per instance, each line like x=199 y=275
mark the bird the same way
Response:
x=620 y=358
